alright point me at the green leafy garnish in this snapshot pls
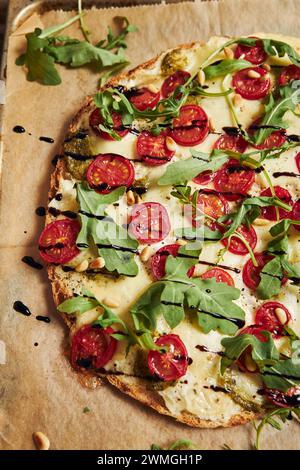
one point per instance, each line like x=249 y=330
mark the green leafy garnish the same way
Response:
x=111 y=240
x=224 y=67
x=280 y=49
x=180 y=444
x=283 y=414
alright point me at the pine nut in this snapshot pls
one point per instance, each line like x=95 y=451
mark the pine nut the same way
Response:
x=242 y=56
x=171 y=144
x=41 y=440
x=237 y=100
x=152 y=88
x=110 y=302
x=253 y=74
x=117 y=98
x=249 y=363
x=264 y=77
x=267 y=67
x=228 y=53
x=281 y=315
x=97 y=263
x=201 y=77
x=130 y=198
x=211 y=125
x=145 y=254
x=261 y=222
x=181 y=242
x=82 y=266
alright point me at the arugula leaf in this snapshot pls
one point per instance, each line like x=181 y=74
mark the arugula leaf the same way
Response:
x=114 y=41
x=78 y=304
x=113 y=241
x=224 y=67
x=282 y=375
x=262 y=352
x=282 y=413
x=184 y=170
x=276 y=109
x=270 y=279
x=280 y=49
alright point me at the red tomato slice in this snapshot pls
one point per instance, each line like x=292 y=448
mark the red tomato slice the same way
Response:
x=276 y=139
x=57 y=242
x=234 y=178
x=159 y=259
x=251 y=273
x=297 y=159
x=149 y=222
x=288 y=399
x=211 y=204
x=236 y=245
x=257 y=332
x=269 y=213
x=236 y=143
x=173 y=81
x=204 y=178
x=172 y=364
x=296 y=214
x=152 y=149
x=92 y=347
x=291 y=72
x=251 y=88
x=109 y=171
x=254 y=54
x=266 y=317
x=143 y=99
x=96 y=119
x=191 y=126
x=220 y=275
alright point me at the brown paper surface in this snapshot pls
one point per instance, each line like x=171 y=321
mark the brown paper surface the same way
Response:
x=38 y=389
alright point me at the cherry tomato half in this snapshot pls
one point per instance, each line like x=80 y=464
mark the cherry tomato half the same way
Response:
x=191 y=126
x=288 y=399
x=291 y=72
x=296 y=214
x=92 y=347
x=251 y=273
x=236 y=245
x=173 y=81
x=297 y=160
x=234 y=179
x=109 y=171
x=143 y=99
x=269 y=213
x=149 y=222
x=159 y=259
x=236 y=143
x=220 y=275
x=170 y=365
x=57 y=242
x=96 y=119
x=152 y=149
x=204 y=178
x=211 y=204
x=254 y=54
x=251 y=88
x=268 y=320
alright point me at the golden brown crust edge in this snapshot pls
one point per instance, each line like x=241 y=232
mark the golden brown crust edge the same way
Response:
x=132 y=386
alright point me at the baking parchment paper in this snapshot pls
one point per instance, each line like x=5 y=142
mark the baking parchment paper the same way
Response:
x=38 y=389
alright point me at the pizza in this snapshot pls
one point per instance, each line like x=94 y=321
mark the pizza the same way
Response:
x=172 y=231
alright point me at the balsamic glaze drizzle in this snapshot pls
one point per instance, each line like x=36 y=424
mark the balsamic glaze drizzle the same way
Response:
x=56 y=212
x=19 y=129
x=31 y=262
x=43 y=318
x=40 y=211
x=277 y=174
x=19 y=307
x=49 y=140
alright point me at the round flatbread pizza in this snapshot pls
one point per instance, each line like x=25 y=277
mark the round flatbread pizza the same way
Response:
x=172 y=231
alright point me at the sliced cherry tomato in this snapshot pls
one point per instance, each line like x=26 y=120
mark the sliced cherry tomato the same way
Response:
x=96 y=119
x=296 y=214
x=289 y=399
x=291 y=72
x=211 y=204
x=266 y=317
x=109 y=171
x=254 y=54
x=152 y=149
x=236 y=143
x=191 y=126
x=242 y=362
x=297 y=159
x=251 y=88
x=236 y=245
x=92 y=347
x=233 y=179
x=158 y=260
x=170 y=365
x=173 y=81
x=149 y=222
x=143 y=99
x=251 y=273
x=220 y=275
x=57 y=242
x=269 y=213
x=204 y=178
x=276 y=139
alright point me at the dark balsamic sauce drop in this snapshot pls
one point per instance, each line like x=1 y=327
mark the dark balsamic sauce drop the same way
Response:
x=43 y=318
x=31 y=262
x=19 y=307
x=49 y=140
x=19 y=129
x=40 y=211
